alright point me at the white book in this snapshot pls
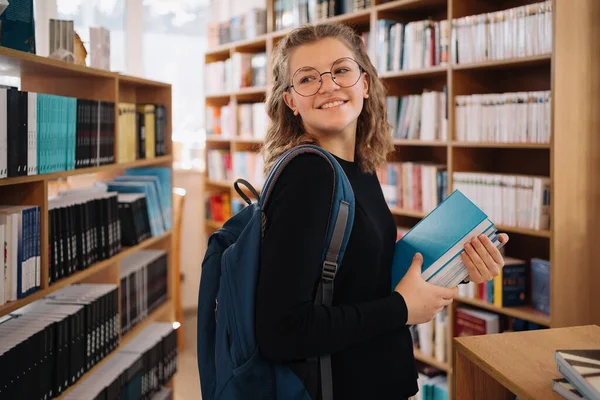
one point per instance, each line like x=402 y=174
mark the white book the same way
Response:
x=3 y=134
x=32 y=133
x=2 y=266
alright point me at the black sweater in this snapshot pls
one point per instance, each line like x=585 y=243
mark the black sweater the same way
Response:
x=365 y=329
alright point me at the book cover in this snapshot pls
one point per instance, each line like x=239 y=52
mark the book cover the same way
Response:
x=582 y=369
x=565 y=389
x=440 y=237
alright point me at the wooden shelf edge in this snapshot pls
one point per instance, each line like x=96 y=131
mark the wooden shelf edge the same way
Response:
x=152 y=317
x=525 y=231
x=522 y=61
x=430 y=360
x=494 y=145
x=82 y=171
x=415 y=73
x=407 y=213
x=419 y=142
x=130 y=335
x=524 y=312
x=213 y=224
x=226 y=47
x=76 y=68
x=78 y=276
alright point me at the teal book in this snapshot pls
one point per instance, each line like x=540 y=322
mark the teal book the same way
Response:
x=440 y=237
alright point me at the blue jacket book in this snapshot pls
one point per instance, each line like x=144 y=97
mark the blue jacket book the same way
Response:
x=440 y=238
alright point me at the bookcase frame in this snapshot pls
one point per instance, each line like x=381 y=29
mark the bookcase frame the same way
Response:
x=571 y=159
x=44 y=75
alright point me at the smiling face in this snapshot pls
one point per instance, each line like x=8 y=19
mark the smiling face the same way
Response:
x=334 y=109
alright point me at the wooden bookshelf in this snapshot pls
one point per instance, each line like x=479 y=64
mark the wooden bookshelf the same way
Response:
x=572 y=74
x=44 y=75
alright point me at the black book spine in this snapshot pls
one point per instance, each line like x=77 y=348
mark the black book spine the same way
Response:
x=12 y=99
x=23 y=134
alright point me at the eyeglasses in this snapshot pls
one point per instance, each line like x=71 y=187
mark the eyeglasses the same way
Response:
x=307 y=81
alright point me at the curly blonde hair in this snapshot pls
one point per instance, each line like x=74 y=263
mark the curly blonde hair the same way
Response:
x=285 y=131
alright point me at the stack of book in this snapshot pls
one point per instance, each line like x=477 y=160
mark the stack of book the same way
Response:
x=248 y=165
x=580 y=369
x=137 y=371
x=516 y=32
x=413 y=45
x=83 y=228
x=43 y=133
x=155 y=185
x=143 y=285
x=252 y=120
x=420 y=116
x=133 y=215
x=231 y=27
x=20 y=274
x=142 y=131
x=49 y=344
x=289 y=14
x=440 y=238
x=218 y=165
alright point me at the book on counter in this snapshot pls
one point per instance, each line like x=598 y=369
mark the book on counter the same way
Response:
x=581 y=368
x=440 y=237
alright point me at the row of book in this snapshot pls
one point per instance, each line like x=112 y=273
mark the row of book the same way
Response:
x=247 y=120
x=516 y=117
x=579 y=369
x=133 y=215
x=49 y=344
x=143 y=284
x=518 y=201
x=521 y=31
x=241 y=26
x=218 y=206
x=43 y=133
x=413 y=186
x=219 y=165
x=432 y=385
x=294 y=13
x=138 y=370
x=83 y=228
x=249 y=165
x=142 y=131
x=519 y=283
x=413 y=45
x=420 y=116
x=241 y=70
x=20 y=247
x=93 y=224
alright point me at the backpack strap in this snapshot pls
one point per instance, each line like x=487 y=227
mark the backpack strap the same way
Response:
x=341 y=219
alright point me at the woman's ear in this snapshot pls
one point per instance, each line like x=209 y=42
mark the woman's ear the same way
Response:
x=366 y=85
x=289 y=101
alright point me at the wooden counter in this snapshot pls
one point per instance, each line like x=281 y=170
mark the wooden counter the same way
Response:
x=501 y=366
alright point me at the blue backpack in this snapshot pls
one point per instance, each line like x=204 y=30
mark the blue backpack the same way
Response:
x=230 y=363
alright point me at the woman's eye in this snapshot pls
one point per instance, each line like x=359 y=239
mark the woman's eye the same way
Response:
x=341 y=70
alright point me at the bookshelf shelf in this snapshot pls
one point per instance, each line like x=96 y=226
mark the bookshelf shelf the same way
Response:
x=214 y=224
x=430 y=360
x=220 y=184
x=418 y=142
x=567 y=160
x=156 y=315
x=409 y=5
x=218 y=139
x=525 y=312
x=438 y=71
x=407 y=213
x=524 y=231
x=498 y=145
x=533 y=61
x=244 y=45
x=82 y=171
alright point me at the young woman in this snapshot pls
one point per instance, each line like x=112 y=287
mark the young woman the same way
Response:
x=326 y=92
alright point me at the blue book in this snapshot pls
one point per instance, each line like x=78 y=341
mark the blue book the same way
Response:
x=440 y=237
x=164 y=176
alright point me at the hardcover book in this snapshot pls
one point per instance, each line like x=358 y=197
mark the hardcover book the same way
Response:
x=440 y=238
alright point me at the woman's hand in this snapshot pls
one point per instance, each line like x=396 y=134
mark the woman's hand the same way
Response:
x=482 y=258
x=423 y=300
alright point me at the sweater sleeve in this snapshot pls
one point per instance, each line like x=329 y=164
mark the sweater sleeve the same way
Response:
x=288 y=324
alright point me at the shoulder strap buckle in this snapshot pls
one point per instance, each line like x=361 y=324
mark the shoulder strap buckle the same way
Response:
x=329 y=270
